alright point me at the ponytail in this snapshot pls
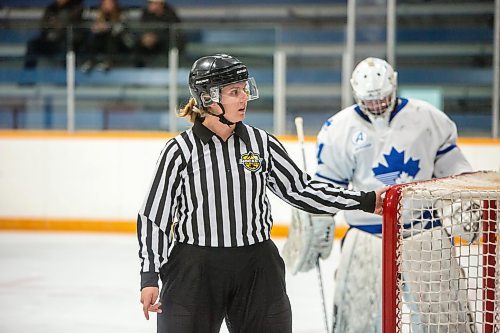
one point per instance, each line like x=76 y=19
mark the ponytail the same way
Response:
x=190 y=111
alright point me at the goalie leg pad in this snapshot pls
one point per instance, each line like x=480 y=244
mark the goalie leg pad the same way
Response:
x=357 y=298
x=431 y=277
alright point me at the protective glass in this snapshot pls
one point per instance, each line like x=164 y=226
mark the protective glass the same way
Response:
x=232 y=93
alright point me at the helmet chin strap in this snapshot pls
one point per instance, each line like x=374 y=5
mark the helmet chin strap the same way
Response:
x=221 y=117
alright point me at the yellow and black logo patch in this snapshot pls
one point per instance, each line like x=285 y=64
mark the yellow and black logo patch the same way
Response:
x=251 y=161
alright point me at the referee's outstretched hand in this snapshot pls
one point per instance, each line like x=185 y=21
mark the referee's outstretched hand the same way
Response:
x=379 y=201
x=149 y=295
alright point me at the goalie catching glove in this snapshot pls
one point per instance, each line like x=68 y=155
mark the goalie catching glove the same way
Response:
x=309 y=238
x=461 y=218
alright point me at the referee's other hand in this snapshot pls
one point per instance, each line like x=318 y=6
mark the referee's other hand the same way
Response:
x=379 y=200
x=149 y=295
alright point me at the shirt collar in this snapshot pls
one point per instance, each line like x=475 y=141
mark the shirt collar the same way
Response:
x=401 y=103
x=205 y=134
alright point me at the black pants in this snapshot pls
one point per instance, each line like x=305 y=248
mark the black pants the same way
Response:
x=244 y=285
x=104 y=46
x=42 y=47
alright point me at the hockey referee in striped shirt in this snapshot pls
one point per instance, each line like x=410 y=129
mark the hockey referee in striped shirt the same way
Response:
x=205 y=225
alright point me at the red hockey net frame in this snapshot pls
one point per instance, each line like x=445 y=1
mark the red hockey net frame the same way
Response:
x=392 y=303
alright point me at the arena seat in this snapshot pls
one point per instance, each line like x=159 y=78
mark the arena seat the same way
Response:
x=430 y=52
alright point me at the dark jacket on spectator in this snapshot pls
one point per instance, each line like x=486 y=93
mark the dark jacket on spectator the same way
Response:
x=161 y=30
x=57 y=18
x=156 y=25
x=53 y=37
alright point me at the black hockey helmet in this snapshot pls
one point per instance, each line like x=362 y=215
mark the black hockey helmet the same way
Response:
x=209 y=74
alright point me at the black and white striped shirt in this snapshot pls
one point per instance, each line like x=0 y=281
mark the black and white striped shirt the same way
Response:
x=210 y=192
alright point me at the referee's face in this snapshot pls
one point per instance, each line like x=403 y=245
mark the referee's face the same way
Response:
x=235 y=98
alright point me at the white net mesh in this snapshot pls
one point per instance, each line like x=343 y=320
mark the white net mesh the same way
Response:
x=443 y=255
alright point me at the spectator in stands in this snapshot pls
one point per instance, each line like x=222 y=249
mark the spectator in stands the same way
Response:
x=154 y=40
x=52 y=41
x=108 y=37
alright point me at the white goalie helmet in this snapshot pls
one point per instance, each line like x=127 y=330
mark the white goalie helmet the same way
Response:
x=374 y=84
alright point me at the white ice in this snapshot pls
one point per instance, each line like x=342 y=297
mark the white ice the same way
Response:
x=89 y=283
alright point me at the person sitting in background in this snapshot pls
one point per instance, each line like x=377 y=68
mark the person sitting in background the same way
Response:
x=108 y=37
x=154 y=40
x=52 y=41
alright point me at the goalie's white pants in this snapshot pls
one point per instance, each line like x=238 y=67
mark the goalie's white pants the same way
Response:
x=435 y=286
x=357 y=301
x=436 y=302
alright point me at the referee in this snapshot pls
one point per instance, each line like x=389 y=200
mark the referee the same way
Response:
x=205 y=225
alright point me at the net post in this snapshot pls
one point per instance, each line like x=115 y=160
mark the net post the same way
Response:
x=489 y=263
x=390 y=239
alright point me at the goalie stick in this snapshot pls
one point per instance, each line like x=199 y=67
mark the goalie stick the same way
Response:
x=299 y=125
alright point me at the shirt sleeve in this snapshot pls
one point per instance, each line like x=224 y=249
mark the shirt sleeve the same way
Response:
x=298 y=189
x=334 y=164
x=450 y=159
x=155 y=218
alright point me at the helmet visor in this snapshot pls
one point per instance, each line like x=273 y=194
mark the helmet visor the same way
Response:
x=377 y=107
x=233 y=92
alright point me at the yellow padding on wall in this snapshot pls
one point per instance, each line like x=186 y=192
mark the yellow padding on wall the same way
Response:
x=281 y=231
x=129 y=227
x=66 y=225
x=58 y=134
x=75 y=225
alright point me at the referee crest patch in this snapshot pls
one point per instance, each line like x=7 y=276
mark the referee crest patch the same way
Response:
x=251 y=161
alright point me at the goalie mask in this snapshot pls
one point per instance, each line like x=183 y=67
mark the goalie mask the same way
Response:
x=209 y=75
x=374 y=85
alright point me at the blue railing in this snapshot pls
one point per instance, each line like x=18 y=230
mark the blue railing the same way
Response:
x=160 y=77
x=313 y=85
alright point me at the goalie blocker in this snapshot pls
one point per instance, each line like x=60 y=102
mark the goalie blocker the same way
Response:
x=431 y=281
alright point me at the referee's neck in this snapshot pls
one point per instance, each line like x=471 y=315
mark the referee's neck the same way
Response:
x=223 y=131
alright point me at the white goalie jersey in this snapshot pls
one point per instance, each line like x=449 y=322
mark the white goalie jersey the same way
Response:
x=414 y=142
x=417 y=143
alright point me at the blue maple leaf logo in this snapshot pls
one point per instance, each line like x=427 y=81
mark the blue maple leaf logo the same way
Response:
x=396 y=170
